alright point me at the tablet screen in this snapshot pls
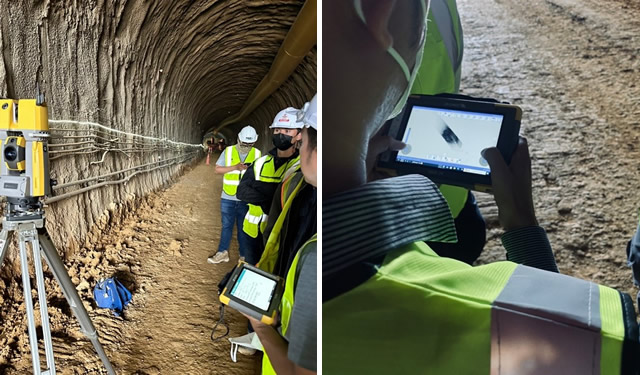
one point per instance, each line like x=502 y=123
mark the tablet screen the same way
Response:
x=254 y=289
x=450 y=139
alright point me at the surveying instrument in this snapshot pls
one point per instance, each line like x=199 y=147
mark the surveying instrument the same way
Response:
x=24 y=179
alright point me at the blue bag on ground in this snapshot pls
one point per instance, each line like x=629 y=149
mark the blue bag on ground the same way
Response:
x=111 y=294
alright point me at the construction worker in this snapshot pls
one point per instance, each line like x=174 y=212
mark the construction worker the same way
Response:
x=260 y=182
x=233 y=163
x=390 y=303
x=286 y=233
x=291 y=348
x=440 y=73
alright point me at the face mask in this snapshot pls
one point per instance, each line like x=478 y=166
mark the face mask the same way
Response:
x=410 y=76
x=282 y=141
x=243 y=148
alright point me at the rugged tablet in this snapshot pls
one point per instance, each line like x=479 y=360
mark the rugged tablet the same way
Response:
x=445 y=135
x=254 y=292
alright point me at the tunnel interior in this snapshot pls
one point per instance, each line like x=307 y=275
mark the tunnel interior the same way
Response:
x=173 y=71
x=133 y=90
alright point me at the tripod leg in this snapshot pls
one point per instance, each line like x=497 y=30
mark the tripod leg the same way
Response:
x=70 y=293
x=31 y=321
x=44 y=313
x=5 y=239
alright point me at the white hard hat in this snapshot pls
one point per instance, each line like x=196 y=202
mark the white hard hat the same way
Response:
x=287 y=118
x=248 y=135
x=309 y=113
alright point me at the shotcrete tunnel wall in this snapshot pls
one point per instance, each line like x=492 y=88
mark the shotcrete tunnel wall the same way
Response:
x=165 y=69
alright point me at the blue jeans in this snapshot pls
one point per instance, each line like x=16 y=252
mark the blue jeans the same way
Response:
x=234 y=211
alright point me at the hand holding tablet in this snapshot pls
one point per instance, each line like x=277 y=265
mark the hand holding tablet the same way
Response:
x=445 y=136
x=253 y=292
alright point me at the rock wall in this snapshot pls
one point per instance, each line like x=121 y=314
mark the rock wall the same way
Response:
x=166 y=69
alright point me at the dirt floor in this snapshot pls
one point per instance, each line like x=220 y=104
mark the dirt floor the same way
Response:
x=160 y=253
x=573 y=66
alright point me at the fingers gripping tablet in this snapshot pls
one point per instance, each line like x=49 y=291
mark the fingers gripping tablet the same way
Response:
x=254 y=292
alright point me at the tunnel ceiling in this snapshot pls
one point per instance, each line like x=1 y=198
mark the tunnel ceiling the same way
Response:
x=169 y=68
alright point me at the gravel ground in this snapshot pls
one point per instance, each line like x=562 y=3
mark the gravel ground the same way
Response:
x=159 y=251
x=573 y=67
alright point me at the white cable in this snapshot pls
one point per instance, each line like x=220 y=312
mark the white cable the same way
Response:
x=94 y=124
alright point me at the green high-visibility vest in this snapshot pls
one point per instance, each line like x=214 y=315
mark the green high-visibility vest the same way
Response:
x=231 y=180
x=286 y=304
x=264 y=170
x=442 y=59
x=423 y=314
x=440 y=72
x=288 y=191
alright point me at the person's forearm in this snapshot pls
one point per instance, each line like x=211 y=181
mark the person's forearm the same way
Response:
x=530 y=246
x=248 y=194
x=255 y=192
x=276 y=348
x=222 y=170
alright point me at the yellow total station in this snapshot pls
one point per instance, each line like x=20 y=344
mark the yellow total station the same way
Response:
x=24 y=160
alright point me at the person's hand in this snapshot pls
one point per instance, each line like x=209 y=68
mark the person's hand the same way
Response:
x=256 y=324
x=241 y=167
x=379 y=144
x=511 y=186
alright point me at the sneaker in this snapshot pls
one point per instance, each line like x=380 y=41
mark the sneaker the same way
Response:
x=219 y=257
x=246 y=351
x=247 y=345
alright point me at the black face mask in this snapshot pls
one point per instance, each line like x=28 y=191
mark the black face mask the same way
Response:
x=282 y=141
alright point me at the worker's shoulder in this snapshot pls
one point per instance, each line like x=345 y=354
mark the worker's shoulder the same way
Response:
x=265 y=157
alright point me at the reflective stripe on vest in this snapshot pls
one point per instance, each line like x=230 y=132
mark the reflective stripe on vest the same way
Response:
x=265 y=171
x=445 y=317
x=444 y=12
x=231 y=180
x=286 y=304
x=255 y=221
x=442 y=59
x=289 y=189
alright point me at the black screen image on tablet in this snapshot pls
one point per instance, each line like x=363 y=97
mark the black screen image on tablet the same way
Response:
x=450 y=139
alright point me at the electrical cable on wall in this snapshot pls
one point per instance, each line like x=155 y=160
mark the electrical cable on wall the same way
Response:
x=95 y=124
x=95 y=140
x=116 y=182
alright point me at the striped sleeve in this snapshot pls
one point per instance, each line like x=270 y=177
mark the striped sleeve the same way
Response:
x=530 y=246
x=371 y=220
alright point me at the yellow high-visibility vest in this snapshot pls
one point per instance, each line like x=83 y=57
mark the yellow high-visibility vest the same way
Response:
x=231 y=180
x=255 y=221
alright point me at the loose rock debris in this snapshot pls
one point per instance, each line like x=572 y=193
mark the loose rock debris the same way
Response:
x=159 y=252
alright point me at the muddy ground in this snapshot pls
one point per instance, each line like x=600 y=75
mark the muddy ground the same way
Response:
x=574 y=68
x=160 y=253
